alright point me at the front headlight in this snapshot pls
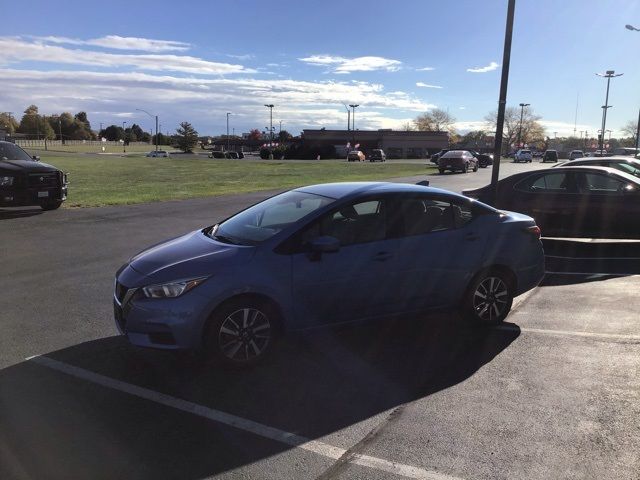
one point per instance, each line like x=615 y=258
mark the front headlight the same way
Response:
x=173 y=289
x=6 y=181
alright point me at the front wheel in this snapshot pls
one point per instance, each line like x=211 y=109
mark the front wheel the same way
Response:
x=466 y=168
x=241 y=333
x=441 y=170
x=51 y=205
x=488 y=299
x=475 y=167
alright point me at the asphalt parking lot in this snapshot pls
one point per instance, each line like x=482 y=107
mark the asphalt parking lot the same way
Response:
x=552 y=393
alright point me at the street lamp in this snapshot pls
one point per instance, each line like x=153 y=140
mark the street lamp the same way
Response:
x=522 y=105
x=631 y=27
x=156 y=117
x=353 y=122
x=124 y=141
x=609 y=74
x=228 y=113
x=348 y=117
x=270 y=107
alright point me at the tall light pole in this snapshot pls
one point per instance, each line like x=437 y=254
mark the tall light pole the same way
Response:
x=348 y=117
x=502 y=101
x=609 y=74
x=124 y=141
x=156 y=117
x=270 y=107
x=353 y=122
x=280 y=131
x=631 y=27
x=522 y=105
x=228 y=113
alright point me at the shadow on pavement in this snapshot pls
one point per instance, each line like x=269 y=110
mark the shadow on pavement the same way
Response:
x=555 y=280
x=56 y=426
x=6 y=214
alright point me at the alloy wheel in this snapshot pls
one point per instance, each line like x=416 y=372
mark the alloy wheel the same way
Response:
x=490 y=299
x=244 y=335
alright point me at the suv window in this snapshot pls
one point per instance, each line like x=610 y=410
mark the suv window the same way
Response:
x=554 y=182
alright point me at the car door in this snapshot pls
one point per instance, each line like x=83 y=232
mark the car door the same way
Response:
x=440 y=244
x=351 y=283
x=550 y=198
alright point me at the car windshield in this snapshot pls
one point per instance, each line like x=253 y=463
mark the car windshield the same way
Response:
x=262 y=221
x=9 y=151
x=627 y=168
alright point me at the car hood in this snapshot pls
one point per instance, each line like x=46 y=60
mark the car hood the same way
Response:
x=26 y=166
x=190 y=255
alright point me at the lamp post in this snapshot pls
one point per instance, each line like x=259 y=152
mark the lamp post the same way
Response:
x=156 y=117
x=348 y=117
x=609 y=74
x=631 y=27
x=522 y=105
x=228 y=113
x=270 y=107
x=124 y=141
x=353 y=121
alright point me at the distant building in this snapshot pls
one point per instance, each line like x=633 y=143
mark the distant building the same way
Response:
x=395 y=143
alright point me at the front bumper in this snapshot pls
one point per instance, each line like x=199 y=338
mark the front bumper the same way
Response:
x=30 y=196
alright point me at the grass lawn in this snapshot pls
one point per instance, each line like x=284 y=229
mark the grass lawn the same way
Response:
x=96 y=181
x=95 y=149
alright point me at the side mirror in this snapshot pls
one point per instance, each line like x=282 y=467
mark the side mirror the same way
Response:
x=36 y=158
x=325 y=244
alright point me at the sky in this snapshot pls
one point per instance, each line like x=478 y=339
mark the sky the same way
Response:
x=197 y=60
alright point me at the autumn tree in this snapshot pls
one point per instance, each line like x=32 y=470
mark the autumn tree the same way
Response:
x=8 y=123
x=436 y=120
x=186 y=137
x=630 y=129
x=531 y=131
x=34 y=124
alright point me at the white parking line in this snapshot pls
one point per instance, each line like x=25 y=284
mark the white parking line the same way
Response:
x=250 y=426
x=607 y=336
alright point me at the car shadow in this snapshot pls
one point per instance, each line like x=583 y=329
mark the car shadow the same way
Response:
x=314 y=385
x=7 y=214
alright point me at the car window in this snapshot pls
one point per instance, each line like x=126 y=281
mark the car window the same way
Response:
x=554 y=182
x=10 y=151
x=420 y=216
x=354 y=223
x=596 y=183
x=625 y=167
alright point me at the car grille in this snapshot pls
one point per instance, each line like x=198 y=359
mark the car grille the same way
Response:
x=43 y=179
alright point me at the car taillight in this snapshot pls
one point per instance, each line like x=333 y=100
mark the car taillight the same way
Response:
x=535 y=230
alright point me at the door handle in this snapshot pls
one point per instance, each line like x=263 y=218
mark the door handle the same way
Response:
x=382 y=256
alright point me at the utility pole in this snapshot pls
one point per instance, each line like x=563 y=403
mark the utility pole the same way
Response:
x=280 y=131
x=522 y=105
x=348 y=117
x=504 y=81
x=228 y=113
x=152 y=116
x=609 y=74
x=124 y=141
x=353 y=122
x=60 y=130
x=270 y=107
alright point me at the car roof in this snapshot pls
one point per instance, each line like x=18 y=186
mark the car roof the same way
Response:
x=603 y=159
x=346 y=189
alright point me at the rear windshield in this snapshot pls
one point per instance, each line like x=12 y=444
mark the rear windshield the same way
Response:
x=10 y=151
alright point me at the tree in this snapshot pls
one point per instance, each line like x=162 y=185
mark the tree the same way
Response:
x=112 y=133
x=255 y=135
x=284 y=136
x=435 y=121
x=8 y=123
x=532 y=131
x=186 y=137
x=82 y=118
x=408 y=126
x=630 y=129
x=32 y=123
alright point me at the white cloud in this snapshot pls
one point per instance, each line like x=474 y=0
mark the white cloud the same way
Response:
x=117 y=42
x=345 y=65
x=492 y=66
x=462 y=108
x=246 y=56
x=425 y=69
x=426 y=85
x=15 y=50
x=301 y=104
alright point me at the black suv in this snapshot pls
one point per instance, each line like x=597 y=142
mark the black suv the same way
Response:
x=25 y=181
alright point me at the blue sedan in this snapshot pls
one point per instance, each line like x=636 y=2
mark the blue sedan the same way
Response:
x=324 y=255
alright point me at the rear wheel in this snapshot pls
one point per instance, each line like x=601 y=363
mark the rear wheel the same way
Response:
x=489 y=298
x=242 y=332
x=50 y=205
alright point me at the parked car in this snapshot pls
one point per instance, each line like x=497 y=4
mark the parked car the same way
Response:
x=537 y=154
x=457 y=160
x=356 y=156
x=550 y=156
x=233 y=155
x=572 y=201
x=159 y=153
x=523 y=156
x=625 y=151
x=26 y=181
x=574 y=154
x=435 y=156
x=240 y=155
x=484 y=159
x=377 y=155
x=624 y=164
x=600 y=153
x=326 y=254
x=218 y=154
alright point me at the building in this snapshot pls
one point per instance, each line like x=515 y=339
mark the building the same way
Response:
x=395 y=143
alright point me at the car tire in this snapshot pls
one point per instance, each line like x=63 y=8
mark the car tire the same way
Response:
x=51 y=205
x=466 y=168
x=475 y=167
x=488 y=298
x=441 y=170
x=242 y=332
